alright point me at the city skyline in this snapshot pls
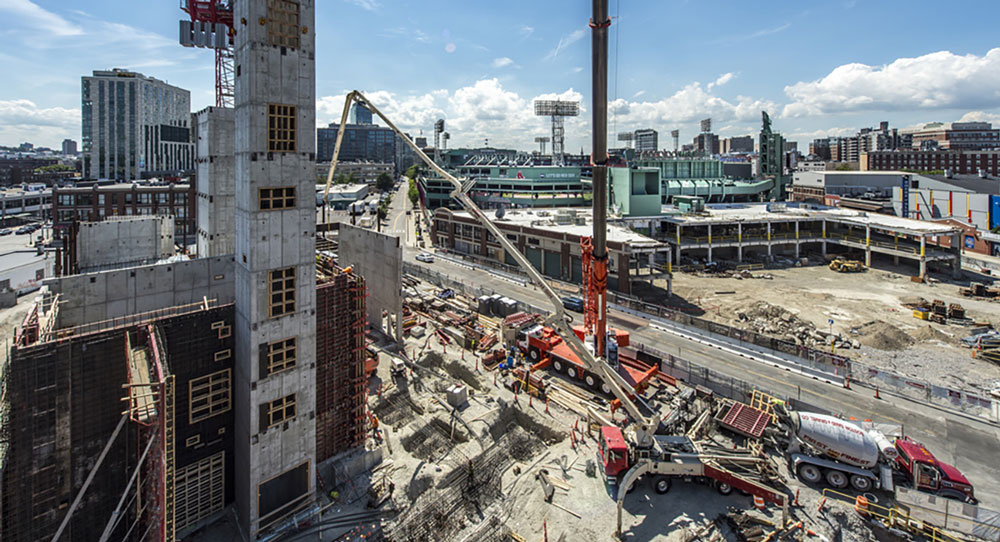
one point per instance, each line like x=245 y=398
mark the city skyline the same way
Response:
x=480 y=69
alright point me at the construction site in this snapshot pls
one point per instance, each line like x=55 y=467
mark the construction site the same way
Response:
x=293 y=386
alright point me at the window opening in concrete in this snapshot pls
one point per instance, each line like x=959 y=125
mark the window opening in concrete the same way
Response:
x=277 y=411
x=281 y=292
x=283 y=23
x=276 y=199
x=281 y=355
x=281 y=128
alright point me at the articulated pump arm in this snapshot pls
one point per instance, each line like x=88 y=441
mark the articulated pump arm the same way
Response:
x=644 y=427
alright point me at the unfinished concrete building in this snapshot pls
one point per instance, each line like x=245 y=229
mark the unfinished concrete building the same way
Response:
x=70 y=372
x=275 y=377
x=215 y=180
x=70 y=387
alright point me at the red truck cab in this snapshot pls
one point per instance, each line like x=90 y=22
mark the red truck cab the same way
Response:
x=929 y=474
x=613 y=452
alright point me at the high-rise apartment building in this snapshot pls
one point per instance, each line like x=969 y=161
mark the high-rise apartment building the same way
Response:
x=69 y=147
x=359 y=114
x=362 y=142
x=274 y=383
x=134 y=127
x=646 y=140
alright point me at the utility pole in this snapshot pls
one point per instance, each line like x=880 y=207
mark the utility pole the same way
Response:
x=599 y=94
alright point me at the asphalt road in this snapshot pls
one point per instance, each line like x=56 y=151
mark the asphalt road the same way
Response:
x=965 y=442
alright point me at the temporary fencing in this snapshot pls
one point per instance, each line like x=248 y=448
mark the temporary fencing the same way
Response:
x=973 y=403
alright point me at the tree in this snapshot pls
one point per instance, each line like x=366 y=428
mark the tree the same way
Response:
x=413 y=193
x=382 y=213
x=843 y=167
x=413 y=171
x=383 y=183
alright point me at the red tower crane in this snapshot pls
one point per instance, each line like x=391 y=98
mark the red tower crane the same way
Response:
x=211 y=26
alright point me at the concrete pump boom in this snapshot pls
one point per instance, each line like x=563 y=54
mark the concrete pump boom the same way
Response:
x=644 y=426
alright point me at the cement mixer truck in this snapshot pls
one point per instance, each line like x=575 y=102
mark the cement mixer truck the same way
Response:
x=842 y=453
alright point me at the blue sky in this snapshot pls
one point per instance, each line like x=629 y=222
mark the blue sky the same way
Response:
x=819 y=68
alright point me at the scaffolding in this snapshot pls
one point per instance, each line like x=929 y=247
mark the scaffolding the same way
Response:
x=340 y=360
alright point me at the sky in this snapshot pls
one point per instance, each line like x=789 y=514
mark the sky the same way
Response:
x=817 y=67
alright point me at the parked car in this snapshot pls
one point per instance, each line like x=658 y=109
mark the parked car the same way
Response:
x=23 y=230
x=425 y=257
x=573 y=303
x=6 y=231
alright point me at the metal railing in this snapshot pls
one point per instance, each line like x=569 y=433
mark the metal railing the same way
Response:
x=891 y=517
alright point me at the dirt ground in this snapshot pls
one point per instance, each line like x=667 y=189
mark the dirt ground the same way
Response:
x=866 y=308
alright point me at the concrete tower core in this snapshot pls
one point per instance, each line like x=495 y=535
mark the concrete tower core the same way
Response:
x=274 y=388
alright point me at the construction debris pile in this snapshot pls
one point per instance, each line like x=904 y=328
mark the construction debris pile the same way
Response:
x=769 y=319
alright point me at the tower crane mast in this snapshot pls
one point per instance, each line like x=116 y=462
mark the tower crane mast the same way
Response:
x=214 y=19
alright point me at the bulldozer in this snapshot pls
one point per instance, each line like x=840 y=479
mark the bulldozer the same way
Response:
x=847 y=266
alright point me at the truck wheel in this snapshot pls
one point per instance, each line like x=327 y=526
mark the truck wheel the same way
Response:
x=861 y=483
x=533 y=353
x=661 y=484
x=723 y=488
x=590 y=380
x=558 y=366
x=605 y=388
x=572 y=372
x=810 y=473
x=836 y=479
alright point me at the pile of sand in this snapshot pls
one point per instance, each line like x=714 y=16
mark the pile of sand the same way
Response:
x=883 y=336
x=930 y=333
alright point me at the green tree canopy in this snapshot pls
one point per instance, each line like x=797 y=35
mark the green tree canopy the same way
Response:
x=383 y=183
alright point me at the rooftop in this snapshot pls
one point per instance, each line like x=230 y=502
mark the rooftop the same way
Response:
x=574 y=221
x=342 y=188
x=126 y=186
x=971 y=183
x=721 y=214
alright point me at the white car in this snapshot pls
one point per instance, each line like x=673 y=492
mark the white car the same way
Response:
x=425 y=257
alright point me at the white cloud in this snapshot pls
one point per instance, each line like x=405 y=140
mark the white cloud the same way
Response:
x=578 y=69
x=31 y=14
x=689 y=104
x=502 y=62
x=526 y=31
x=837 y=131
x=565 y=42
x=449 y=48
x=722 y=80
x=640 y=93
x=486 y=109
x=941 y=80
x=980 y=116
x=370 y=5
x=23 y=120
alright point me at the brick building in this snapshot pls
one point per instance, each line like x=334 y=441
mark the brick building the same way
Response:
x=958 y=161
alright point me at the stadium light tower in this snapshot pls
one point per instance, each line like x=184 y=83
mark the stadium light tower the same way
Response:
x=627 y=137
x=558 y=110
x=676 y=134
x=541 y=143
